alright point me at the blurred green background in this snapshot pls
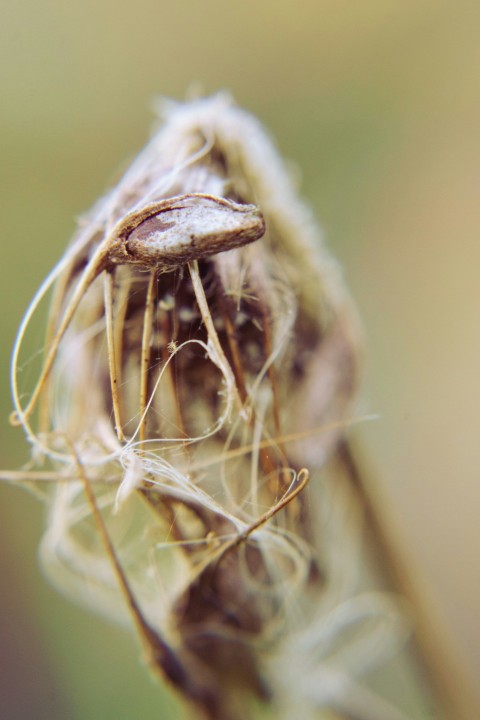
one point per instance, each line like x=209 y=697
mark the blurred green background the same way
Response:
x=378 y=104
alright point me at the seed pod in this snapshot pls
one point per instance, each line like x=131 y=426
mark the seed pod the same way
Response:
x=201 y=364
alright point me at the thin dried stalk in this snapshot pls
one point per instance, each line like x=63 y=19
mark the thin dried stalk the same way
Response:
x=201 y=362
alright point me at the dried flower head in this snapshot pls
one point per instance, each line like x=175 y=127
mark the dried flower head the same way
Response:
x=200 y=366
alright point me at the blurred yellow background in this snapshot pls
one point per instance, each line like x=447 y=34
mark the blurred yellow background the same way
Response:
x=378 y=104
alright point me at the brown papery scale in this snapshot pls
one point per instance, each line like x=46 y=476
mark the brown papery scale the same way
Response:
x=178 y=230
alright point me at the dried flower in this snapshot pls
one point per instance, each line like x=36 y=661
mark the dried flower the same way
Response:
x=201 y=364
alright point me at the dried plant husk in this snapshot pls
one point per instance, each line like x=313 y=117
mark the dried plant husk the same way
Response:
x=201 y=363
